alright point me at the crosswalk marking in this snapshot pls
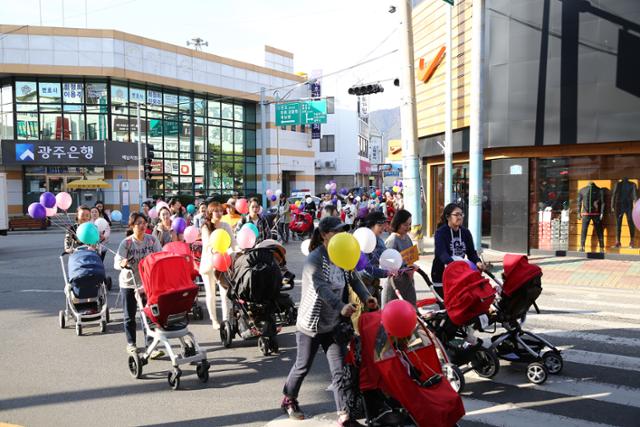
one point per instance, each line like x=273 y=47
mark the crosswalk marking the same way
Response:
x=604 y=360
x=589 y=312
x=574 y=322
x=589 y=336
x=584 y=303
x=518 y=414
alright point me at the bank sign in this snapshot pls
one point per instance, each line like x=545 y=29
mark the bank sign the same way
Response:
x=73 y=153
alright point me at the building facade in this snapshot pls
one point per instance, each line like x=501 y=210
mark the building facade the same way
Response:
x=70 y=90
x=561 y=123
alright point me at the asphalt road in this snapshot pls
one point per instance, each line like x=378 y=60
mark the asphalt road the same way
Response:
x=52 y=377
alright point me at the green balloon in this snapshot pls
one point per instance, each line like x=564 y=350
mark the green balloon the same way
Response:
x=88 y=233
x=191 y=208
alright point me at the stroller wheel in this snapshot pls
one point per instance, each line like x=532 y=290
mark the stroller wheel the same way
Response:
x=264 y=345
x=62 y=319
x=553 y=362
x=202 y=369
x=78 y=329
x=135 y=365
x=226 y=334
x=103 y=326
x=536 y=373
x=174 y=378
x=197 y=313
x=455 y=377
x=485 y=363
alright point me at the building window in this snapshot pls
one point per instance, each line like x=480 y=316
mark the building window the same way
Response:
x=327 y=144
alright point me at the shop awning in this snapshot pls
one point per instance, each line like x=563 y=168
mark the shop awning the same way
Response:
x=87 y=184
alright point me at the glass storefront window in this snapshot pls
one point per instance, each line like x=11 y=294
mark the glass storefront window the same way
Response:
x=72 y=93
x=582 y=203
x=119 y=95
x=238 y=112
x=199 y=146
x=76 y=126
x=199 y=107
x=238 y=141
x=96 y=96
x=227 y=141
x=6 y=125
x=97 y=128
x=154 y=99
x=137 y=96
x=227 y=111
x=50 y=92
x=170 y=102
x=213 y=108
x=26 y=91
x=51 y=127
x=120 y=128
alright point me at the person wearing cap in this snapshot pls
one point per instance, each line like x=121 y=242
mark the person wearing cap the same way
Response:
x=232 y=216
x=323 y=303
x=376 y=221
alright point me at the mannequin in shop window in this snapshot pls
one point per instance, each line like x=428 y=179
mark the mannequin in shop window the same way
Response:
x=591 y=209
x=624 y=195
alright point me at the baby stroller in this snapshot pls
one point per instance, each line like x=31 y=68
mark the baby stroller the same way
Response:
x=85 y=290
x=286 y=311
x=467 y=299
x=301 y=225
x=253 y=290
x=168 y=285
x=521 y=288
x=397 y=380
x=182 y=248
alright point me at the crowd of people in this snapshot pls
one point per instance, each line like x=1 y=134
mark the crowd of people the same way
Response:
x=326 y=288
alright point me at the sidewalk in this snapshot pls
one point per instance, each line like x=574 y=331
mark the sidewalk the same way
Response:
x=569 y=271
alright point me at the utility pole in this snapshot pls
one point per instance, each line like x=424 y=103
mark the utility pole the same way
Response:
x=140 y=175
x=476 y=124
x=410 y=164
x=263 y=144
x=448 y=125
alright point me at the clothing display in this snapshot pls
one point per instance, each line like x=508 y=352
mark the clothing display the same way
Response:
x=624 y=195
x=591 y=208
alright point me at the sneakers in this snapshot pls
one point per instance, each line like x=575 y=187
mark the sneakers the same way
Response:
x=291 y=408
x=156 y=354
x=131 y=348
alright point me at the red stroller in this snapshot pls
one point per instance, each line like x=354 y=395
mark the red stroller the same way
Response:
x=521 y=287
x=168 y=286
x=195 y=252
x=301 y=224
x=400 y=379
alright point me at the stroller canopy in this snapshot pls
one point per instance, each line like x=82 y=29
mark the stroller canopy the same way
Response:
x=466 y=293
x=257 y=276
x=85 y=263
x=182 y=248
x=517 y=272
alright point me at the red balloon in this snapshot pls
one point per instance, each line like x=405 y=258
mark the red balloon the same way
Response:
x=222 y=262
x=399 y=318
x=378 y=192
x=242 y=206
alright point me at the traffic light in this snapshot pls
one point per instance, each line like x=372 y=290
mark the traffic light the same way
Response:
x=147 y=161
x=367 y=89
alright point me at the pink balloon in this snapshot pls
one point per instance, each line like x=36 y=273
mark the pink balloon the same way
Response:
x=63 y=200
x=222 y=262
x=246 y=238
x=153 y=213
x=161 y=204
x=190 y=234
x=636 y=215
x=242 y=206
x=52 y=211
x=399 y=318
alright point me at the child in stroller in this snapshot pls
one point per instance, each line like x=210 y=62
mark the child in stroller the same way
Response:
x=164 y=299
x=397 y=379
x=254 y=289
x=521 y=287
x=85 y=290
x=301 y=224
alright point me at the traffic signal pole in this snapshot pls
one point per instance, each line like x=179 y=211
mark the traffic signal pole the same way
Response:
x=140 y=175
x=476 y=121
x=263 y=144
x=409 y=127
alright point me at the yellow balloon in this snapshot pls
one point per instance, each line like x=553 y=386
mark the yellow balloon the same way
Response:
x=220 y=241
x=396 y=189
x=344 y=251
x=297 y=203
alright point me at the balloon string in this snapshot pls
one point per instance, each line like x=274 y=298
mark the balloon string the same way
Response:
x=68 y=228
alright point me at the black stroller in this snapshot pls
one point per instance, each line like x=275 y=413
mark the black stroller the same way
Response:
x=258 y=307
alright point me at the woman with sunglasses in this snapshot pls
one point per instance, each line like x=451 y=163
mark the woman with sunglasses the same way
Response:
x=452 y=243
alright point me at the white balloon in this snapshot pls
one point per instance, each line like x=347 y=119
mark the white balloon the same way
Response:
x=278 y=192
x=391 y=260
x=366 y=238
x=308 y=200
x=357 y=198
x=102 y=224
x=304 y=247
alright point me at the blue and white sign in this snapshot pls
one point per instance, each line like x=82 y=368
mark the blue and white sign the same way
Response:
x=25 y=152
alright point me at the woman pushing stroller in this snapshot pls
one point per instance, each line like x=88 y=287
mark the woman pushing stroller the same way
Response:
x=322 y=304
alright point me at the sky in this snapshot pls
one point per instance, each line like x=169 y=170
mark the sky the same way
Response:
x=327 y=35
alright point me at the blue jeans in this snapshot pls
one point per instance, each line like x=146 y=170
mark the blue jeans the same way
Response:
x=307 y=348
x=130 y=308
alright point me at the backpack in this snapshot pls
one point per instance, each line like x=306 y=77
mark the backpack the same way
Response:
x=256 y=276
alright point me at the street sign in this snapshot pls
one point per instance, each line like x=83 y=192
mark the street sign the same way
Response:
x=301 y=113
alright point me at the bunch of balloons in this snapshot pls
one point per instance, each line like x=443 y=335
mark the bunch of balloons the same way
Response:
x=247 y=236
x=331 y=186
x=49 y=205
x=219 y=243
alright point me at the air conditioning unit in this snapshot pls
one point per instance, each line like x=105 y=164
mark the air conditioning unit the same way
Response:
x=318 y=164
x=330 y=164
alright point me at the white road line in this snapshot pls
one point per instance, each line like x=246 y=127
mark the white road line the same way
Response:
x=580 y=303
x=572 y=386
x=604 y=360
x=517 y=414
x=587 y=312
x=591 y=292
x=543 y=320
x=588 y=336
x=43 y=291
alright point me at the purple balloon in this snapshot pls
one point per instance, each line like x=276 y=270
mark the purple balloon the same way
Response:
x=37 y=211
x=363 y=212
x=273 y=197
x=48 y=200
x=344 y=191
x=363 y=262
x=178 y=225
x=333 y=192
